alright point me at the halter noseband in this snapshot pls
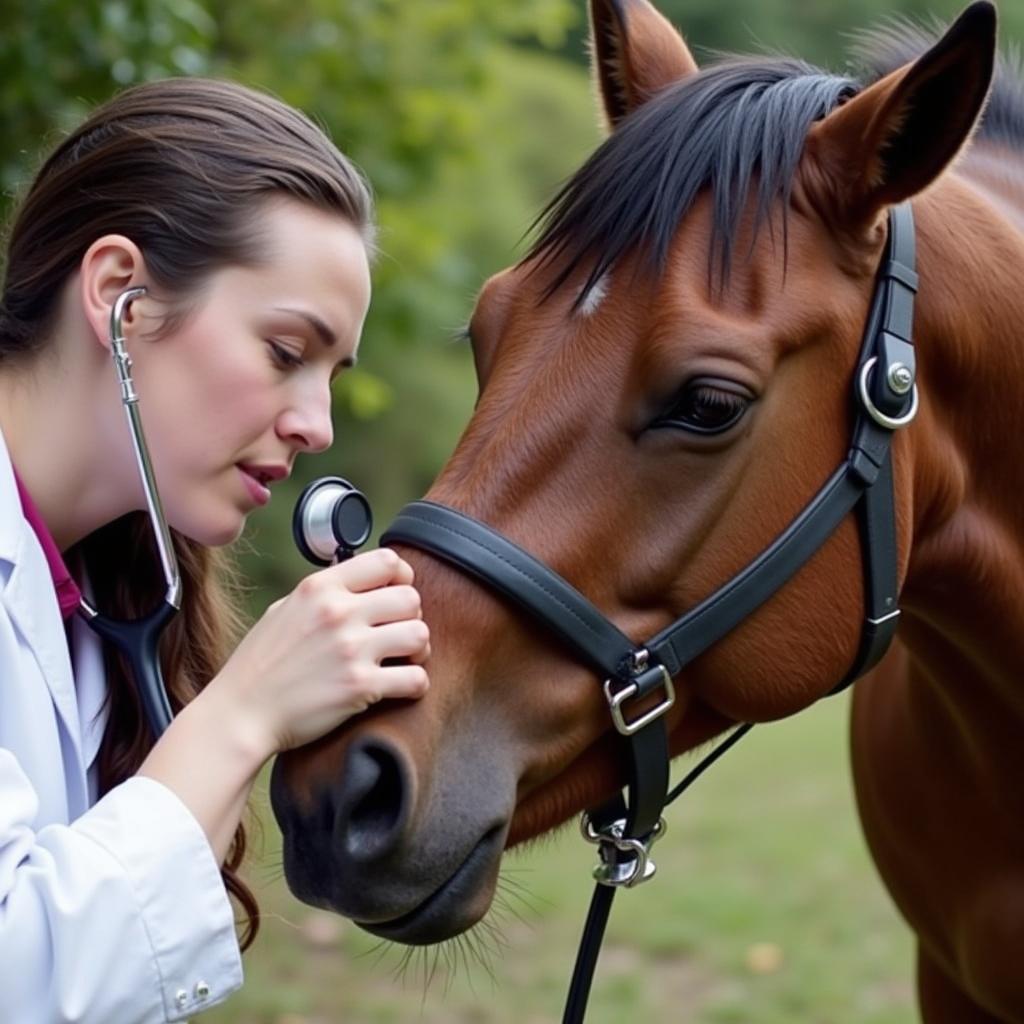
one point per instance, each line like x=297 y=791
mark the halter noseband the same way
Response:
x=624 y=829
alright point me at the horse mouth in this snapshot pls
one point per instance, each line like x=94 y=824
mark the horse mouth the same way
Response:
x=455 y=906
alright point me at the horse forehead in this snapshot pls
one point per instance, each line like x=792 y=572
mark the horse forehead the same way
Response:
x=786 y=284
x=790 y=281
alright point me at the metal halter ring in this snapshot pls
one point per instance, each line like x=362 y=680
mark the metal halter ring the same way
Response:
x=890 y=422
x=614 y=870
x=613 y=832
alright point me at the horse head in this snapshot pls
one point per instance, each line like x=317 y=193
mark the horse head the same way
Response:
x=665 y=382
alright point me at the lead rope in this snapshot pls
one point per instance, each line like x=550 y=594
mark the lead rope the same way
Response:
x=601 y=901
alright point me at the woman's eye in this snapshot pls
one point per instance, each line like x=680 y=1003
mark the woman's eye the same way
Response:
x=282 y=356
x=707 y=406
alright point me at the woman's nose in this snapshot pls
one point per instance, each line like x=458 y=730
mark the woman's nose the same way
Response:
x=309 y=424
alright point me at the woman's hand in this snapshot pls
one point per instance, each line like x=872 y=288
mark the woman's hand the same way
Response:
x=312 y=661
x=315 y=657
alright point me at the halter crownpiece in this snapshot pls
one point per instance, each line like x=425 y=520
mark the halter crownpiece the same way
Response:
x=885 y=399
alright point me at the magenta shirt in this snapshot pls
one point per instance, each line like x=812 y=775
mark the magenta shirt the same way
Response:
x=68 y=594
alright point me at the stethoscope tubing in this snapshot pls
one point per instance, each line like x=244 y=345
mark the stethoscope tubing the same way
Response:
x=138 y=640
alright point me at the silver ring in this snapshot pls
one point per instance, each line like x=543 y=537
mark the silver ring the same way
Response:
x=890 y=422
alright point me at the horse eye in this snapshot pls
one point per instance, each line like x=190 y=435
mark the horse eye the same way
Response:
x=706 y=406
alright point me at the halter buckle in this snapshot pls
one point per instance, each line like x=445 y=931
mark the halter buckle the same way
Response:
x=639 y=686
x=624 y=862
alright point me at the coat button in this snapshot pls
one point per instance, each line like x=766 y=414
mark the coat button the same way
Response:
x=181 y=998
x=202 y=990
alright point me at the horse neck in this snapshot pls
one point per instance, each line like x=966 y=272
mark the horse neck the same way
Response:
x=965 y=581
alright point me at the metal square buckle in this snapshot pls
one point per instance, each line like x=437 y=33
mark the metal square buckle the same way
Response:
x=616 y=700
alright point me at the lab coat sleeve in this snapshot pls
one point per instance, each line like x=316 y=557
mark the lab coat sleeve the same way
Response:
x=118 y=918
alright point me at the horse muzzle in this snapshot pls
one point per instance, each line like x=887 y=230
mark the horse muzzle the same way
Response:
x=411 y=863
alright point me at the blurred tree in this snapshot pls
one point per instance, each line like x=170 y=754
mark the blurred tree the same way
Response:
x=59 y=58
x=428 y=99
x=464 y=124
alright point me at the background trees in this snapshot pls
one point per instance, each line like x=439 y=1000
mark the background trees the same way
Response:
x=465 y=114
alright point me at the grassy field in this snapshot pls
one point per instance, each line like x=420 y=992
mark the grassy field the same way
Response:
x=765 y=910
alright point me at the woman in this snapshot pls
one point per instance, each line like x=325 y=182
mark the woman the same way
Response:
x=249 y=234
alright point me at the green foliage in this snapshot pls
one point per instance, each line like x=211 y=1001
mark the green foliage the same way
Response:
x=463 y=121
x=428 y=99
x=58 y=59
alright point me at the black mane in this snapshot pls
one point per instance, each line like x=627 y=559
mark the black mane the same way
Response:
x=739 y=121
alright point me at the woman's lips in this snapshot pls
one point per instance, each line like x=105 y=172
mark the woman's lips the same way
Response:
x=257 y=491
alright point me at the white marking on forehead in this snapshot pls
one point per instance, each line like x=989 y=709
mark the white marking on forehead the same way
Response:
x=596 y=295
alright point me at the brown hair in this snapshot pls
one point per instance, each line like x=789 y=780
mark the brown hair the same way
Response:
x=180 y=167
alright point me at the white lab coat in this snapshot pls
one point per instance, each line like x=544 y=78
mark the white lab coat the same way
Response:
x=111 y=912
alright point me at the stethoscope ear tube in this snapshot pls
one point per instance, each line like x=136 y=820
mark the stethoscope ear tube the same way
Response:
x=138 y=640
x=130 y=401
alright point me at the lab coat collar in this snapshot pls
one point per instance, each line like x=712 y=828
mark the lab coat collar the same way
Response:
x=31 y=602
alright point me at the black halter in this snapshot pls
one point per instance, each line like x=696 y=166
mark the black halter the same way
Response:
x=885 y=399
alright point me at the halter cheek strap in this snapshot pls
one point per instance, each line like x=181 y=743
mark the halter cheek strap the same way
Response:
x=885 y=400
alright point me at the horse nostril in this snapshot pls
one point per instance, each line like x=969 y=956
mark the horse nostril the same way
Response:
x=374 y=796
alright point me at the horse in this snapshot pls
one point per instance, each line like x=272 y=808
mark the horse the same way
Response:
x=665 y=381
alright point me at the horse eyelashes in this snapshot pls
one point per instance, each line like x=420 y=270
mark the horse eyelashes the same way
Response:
x=703 y=407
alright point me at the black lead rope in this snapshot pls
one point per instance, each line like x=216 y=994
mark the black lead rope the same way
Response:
x=603 y=896
x=625 y=827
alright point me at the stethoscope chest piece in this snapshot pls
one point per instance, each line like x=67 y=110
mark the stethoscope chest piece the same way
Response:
x=331 y=520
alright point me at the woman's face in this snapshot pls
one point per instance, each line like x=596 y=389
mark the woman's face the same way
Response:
x=246 y=380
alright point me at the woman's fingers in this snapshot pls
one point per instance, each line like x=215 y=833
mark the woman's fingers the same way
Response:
x=327 y=651
x=421 y=656
x=389 y=604
x=398 y=681
x=371 y=570
x=407 y=639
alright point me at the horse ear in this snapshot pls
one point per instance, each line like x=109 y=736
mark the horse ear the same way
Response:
x=635 y=53
x=896 y=137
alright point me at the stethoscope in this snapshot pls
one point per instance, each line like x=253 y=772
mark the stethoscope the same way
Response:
x=331 y=520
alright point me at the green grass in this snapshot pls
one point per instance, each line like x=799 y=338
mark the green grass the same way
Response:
x=765 y=910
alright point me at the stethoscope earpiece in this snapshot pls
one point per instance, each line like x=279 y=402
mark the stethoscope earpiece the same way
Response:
x=331 y=520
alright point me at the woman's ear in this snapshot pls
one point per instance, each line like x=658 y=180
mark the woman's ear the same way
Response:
x=110 y=265
x=635 y=53
x=896 y=137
